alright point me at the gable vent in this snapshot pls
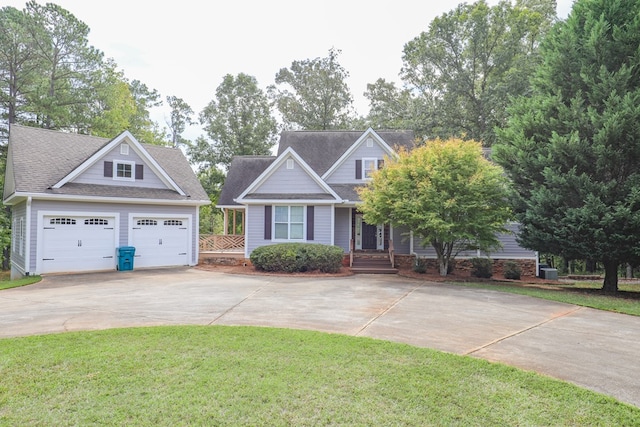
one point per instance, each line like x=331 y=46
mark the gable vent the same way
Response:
x=369 y=142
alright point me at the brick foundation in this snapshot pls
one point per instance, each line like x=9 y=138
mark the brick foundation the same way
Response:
x=464 y=267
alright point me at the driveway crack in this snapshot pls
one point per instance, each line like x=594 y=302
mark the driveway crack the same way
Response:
x=386 y=310
x=528 y=328
x=233 y=307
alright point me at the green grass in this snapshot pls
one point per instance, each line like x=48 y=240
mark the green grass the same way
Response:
x=195 y=375
x=580 y=293
x=7 y=283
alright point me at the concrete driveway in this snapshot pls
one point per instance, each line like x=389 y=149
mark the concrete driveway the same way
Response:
x=590 y=348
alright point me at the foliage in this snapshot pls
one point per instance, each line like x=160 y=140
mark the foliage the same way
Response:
x=179 y=118
x=572 y=148
x=211 y=220
x=221 y=375
x=446 y=192
x=460 y=74
x=8 y=284
x=298 y=257
x=238 y=122
x=584 y=294
x=313 y=94
x=481 y=267
x=512 y=270
x=420 y=265
x=50 y=76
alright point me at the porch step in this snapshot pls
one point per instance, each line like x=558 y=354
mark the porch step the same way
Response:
x=372 y=263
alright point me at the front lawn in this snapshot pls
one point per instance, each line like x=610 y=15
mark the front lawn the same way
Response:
x=7 y=283
x=586 y=294
x=262 y=376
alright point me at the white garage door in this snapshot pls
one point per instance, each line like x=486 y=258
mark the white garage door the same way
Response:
x=160 y=242
x=77 y=243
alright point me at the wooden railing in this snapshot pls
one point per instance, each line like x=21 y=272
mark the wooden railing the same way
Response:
x=219 y=242
x=391 y=254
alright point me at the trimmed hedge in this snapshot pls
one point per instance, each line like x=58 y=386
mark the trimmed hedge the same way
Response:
x=298 y=257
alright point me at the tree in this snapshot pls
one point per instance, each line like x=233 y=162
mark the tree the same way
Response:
x=180 y=117
x=18 y=67
x=572 y=149
x=313 y=94
x=446 y=192
x=238 y=122
x=65 y=86
x=460 y=74
x=141 y=125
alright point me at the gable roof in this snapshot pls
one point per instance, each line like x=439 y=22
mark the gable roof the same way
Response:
x=328 y=193
x=322 y=149
x=42 y=158
x=137 y=147
x=243 y=170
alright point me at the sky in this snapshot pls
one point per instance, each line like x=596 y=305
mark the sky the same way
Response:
x=185 y=48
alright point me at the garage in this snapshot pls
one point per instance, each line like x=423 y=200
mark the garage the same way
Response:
x=77 y=243
x=160 y=241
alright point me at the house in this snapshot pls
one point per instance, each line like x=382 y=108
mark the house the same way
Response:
x=76 y=198
x=307 y=193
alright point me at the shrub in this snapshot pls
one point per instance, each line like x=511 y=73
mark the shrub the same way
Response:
x=420 y=265
x=481 y=267
x=298 y=257
x=512 y=270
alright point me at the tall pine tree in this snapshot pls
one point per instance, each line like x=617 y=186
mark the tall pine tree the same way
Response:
x=572 y=149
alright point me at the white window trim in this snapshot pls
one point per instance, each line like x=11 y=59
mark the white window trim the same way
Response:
x=288 y=239
x=124 y=162
x=364 y=168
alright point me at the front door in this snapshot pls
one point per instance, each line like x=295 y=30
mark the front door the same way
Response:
x=368 y=236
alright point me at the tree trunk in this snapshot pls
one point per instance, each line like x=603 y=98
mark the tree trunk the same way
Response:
x=610 y=285
x=629 y=271
x=444 y=266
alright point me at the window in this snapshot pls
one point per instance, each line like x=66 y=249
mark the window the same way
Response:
x=289 y=223
x=62 y=221
x=147 y=222
x=123 y=170
x=96 y=221
x=368 y=167
x=175 y=222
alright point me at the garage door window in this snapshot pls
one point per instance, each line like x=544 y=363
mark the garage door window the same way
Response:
x=96 y=221
x=62 y=221
x=147 y=222
x=174 y=222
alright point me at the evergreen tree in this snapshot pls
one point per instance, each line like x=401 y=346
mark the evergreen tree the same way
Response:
x=572 y=149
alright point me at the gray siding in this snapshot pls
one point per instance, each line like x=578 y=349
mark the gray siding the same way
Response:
x=95 y=174
x=292 y=181
x=123 y=209
x=343 y=228
x=510 y=250
x=346 y=172
x=401 y=240
x=322 y=224
x=255 y=227
x=18 y=212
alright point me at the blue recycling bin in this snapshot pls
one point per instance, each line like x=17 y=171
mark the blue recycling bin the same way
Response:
x=125 y=257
